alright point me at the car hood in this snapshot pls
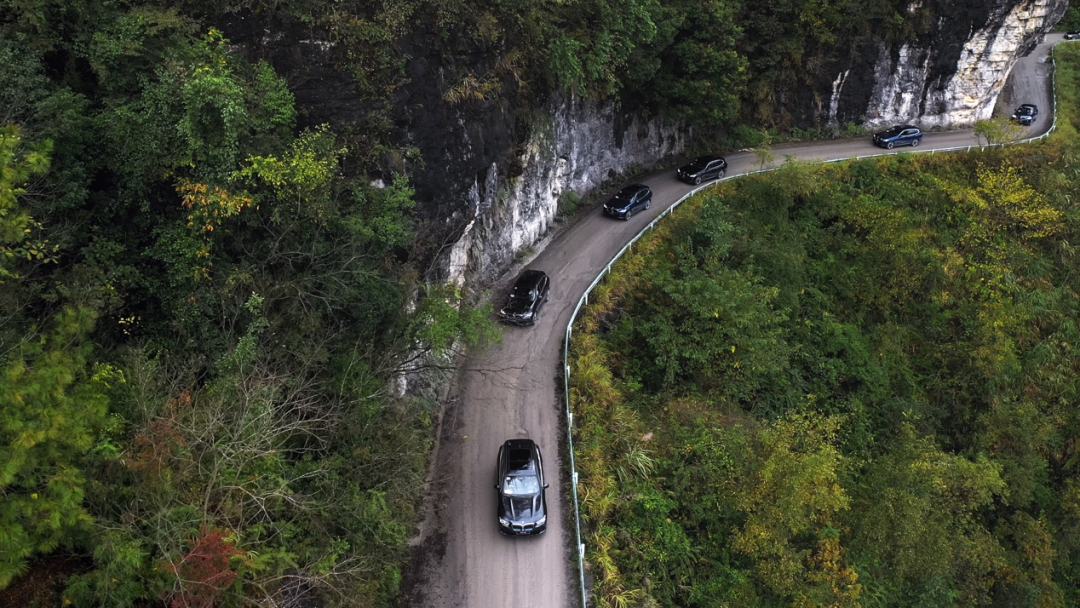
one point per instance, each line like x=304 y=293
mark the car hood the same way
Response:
x=617 y=203
x=522 y=509
x=691 y=170
x=517 y=306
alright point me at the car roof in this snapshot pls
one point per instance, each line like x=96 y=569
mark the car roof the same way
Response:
x=1028 y=105
x=633 y=188
x=708 y=158
x=519 y=454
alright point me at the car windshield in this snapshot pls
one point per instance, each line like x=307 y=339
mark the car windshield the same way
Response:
x=625 y=194
x=698 y=164
x=1025 y=110
x=522 y=292
x=520 y=485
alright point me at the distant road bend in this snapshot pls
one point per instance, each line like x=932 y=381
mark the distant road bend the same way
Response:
x=509 y=391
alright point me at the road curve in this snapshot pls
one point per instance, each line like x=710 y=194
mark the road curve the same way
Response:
x=509 y=390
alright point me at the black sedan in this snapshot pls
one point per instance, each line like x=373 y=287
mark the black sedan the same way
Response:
x=1026 y=113
x=900 y=135
x=529 y=293
x=1072 y=36
x=520 y=482
x=703 y=168
x=628 y=200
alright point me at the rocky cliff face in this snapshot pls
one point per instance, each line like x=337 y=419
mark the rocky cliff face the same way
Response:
x=952 y=75
x=580 y=145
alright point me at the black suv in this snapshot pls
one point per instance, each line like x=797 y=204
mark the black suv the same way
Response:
x=703 y=168
x=520 y=481
x=900 y=135
x=530 y=292
x=628 y=200
x=1026 y=113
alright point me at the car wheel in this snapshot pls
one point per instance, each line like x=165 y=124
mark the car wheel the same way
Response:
x=648 y=203
x=720 y=175
x=697 y=181
x=889 y=145
x=629 y=212
x=914 y=143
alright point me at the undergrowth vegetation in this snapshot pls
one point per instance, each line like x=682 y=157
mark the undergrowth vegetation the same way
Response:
x=843 y=384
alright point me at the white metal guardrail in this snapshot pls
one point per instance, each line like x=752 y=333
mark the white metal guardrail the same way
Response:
x=607 y=269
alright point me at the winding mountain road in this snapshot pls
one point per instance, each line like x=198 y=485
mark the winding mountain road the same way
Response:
x=509 y=391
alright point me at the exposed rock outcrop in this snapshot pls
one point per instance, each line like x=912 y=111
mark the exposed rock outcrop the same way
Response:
x=582 y=145
x=950 y=76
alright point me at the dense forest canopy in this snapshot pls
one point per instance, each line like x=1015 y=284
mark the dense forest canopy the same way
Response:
x=199 y=313
x=843 y=384
x=204 y=294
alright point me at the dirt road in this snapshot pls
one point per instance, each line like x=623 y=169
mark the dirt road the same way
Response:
x=510 y=391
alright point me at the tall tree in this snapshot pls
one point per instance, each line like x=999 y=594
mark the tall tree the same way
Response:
x=52 y=404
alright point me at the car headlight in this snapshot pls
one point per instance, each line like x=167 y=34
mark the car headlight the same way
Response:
x=504 y=522
x=541 y=521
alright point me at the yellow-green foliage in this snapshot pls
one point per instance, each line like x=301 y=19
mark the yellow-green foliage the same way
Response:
x=896 y=434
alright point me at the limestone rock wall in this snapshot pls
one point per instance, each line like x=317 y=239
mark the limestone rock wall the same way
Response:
x=579 y=146
x=939 y=85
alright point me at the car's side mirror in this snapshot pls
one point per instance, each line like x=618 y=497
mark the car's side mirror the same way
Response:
x=547 y=485
x=496 y=486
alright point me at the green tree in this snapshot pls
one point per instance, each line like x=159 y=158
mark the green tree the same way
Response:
x=794 y=503
x=52 y=405
x=17 y=166
x=916 y=526
x=711 y=325
x=997 y=130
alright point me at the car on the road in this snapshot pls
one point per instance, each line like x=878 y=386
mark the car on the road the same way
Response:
x=1072 y=35
x=900 y=135
x=520 y=481
x=703 y=168
x=628 y=200
x=528 y=294
x=1026 y=113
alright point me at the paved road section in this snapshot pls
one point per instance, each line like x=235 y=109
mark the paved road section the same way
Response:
x=509 y=391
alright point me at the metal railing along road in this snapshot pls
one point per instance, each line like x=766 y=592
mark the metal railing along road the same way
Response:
x=607 y=269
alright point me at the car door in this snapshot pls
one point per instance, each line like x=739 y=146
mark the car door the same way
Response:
x=540 y=467
x=908 y=136
x=500 y=468
x=641 y=198
x=543 y=288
